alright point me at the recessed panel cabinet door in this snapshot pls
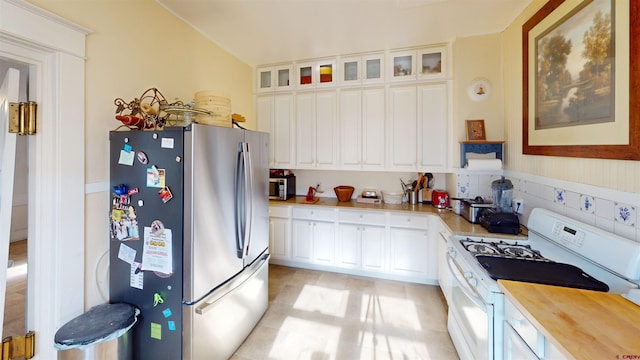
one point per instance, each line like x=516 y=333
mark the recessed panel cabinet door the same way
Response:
x=351 y=129
x=326 y=129
x=279 y=240
x=373 y=111
x=433 y=126
x=301 y=239
x=276 y=116
x=282 y=139
x=401 y=131
x=306 y=130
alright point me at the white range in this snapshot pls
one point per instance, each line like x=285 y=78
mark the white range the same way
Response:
x=559 y=251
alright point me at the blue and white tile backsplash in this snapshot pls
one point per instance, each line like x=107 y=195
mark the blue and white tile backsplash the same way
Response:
x=610 y=210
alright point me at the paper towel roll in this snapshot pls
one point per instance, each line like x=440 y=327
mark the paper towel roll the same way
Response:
x=484 y=164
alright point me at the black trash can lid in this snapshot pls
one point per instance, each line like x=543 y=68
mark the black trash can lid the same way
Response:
x=101 y=322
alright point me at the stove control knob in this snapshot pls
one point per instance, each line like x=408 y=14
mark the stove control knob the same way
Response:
x=470 y=279
x=451 y=252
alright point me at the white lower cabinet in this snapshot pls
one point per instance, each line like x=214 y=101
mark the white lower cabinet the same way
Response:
x=280 y=232
x=361 y=247
x=393 y=245
x=313 y=235
x=409 y=243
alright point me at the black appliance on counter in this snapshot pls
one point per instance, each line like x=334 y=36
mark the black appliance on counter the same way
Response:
x=499 y=222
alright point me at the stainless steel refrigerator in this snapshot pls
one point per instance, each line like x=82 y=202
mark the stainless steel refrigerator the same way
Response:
x=189 y=232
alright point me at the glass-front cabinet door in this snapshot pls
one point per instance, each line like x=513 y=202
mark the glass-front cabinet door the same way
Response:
x=402 y=65
x=432 y=63
x=306 y=76
x=274 y=78
x=362 y=69
x=373 y=66
x=326 y=73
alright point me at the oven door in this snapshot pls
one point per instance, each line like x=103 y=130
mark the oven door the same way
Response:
x=470 y=319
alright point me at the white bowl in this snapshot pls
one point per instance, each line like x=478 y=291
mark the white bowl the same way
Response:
x=392 y=197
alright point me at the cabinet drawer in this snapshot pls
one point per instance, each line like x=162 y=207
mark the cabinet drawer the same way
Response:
x=523 y=327
x=279 y=211
x=362 y=217
x=409 y=221
x=313 y=213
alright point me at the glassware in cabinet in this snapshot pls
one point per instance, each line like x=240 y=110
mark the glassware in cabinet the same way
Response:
x=432 y=62
x=326 y=75
x=402 y=65
x=305 y=76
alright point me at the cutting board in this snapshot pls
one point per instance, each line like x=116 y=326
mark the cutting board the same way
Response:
x=312 y=201
x=540 y=272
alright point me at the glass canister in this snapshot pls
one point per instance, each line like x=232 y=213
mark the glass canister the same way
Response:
x=502 y=195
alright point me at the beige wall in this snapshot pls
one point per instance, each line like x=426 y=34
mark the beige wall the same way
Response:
x=611 y=174
x=477 y=57
x=136 y=45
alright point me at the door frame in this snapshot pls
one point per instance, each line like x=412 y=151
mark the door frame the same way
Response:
x=54 y=48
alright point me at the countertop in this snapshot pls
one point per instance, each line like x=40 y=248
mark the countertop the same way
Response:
x=582 y=324
x=456 y=223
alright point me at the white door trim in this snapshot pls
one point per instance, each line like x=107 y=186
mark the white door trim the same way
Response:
x=55 y=50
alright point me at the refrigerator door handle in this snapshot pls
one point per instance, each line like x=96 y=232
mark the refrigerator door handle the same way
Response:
x=240 y=193
x=248 y=198
x=243 y=204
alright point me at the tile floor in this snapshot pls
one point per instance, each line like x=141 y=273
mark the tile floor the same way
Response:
x=322 y=315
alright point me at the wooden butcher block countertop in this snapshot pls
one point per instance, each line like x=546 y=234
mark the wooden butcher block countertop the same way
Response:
x=582 y=324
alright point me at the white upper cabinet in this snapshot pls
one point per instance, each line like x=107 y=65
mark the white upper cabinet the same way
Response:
x=364 y=69
x=421 y=64
x=276 y=116
x=433 y=127
x=402 y=124
x=361 y=123
x=432 y=63
x=327 y=73
x=316 y=74
x=274 y=78
x=402 y=65
x=316 y=115
x=305 y=76
x=384 y=111
x=418 y=127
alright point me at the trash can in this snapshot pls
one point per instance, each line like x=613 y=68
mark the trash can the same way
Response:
x=102 y=333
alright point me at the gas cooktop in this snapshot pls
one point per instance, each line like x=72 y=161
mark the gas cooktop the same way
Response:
x=519 y=262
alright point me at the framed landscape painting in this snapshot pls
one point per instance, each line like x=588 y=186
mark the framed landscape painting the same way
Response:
x=577 y=75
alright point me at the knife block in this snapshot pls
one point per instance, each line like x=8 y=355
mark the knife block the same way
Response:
x=426 y=195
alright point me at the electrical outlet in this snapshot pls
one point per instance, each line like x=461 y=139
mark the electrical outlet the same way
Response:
x=518 y=207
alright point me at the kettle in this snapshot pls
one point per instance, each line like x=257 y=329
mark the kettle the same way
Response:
x=440 y=199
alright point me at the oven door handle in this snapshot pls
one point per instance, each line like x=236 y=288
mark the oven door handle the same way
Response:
x=466 y=290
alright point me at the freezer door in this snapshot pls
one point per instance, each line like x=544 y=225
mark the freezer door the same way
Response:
x=258 y=148
x=211 y=245
x=216 y=326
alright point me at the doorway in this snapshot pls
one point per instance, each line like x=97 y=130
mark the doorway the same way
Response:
x=54 y=49
x=15 y=311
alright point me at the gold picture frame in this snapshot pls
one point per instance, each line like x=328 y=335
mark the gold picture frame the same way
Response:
x=615 y=138
x=475 y=130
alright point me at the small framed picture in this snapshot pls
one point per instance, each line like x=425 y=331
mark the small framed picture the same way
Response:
x=476 y=131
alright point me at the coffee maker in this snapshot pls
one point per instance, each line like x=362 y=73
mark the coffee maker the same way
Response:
x=500 y=217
